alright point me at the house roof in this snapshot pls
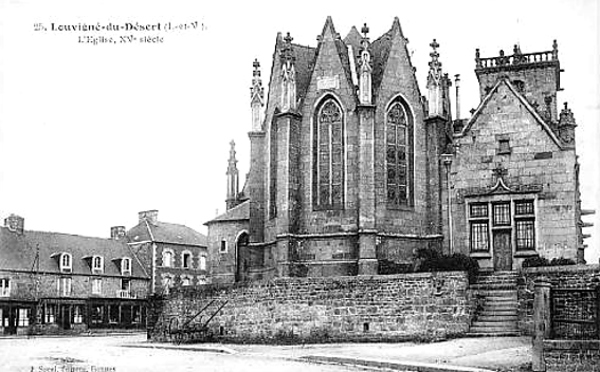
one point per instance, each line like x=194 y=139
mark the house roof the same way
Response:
x=18 y=252
x=522 y=99
x=165 y=232
x=238 y=213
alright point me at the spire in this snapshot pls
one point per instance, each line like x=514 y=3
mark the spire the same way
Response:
x=232 y=178
x=365 y=86
x=257 y=94
x=434 y=82
x=288 y=75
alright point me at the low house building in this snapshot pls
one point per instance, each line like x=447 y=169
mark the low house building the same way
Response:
x=54 y=282
x=173 y=254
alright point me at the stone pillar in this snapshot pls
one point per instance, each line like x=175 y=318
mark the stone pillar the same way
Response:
x=367 y=234
x=541 y=322
x=256 y=185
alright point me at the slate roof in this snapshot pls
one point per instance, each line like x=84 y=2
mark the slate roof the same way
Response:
x=238 y=213
x=18 y=252
x=164 y=232
x=305 y=58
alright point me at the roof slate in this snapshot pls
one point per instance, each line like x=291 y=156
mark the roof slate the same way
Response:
x=18 y=252
x=166 y=233
x=237 y=213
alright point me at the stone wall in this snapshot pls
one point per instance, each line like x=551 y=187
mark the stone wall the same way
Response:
x=364 y=308
x=576 y=276
x=572 y=355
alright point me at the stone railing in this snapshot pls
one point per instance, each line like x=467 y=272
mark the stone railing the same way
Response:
x=515 y=59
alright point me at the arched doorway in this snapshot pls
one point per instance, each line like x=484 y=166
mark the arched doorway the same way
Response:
x=241 y=257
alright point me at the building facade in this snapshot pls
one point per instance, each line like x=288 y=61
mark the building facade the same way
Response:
x=61 y=283
x=172 y=254
x=352 y=165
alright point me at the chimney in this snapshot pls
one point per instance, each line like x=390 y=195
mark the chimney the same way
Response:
x=15 y=223
x=117 y=232
x=151 y=216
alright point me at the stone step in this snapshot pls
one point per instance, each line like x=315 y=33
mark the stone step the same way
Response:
x=505 y=324
x=500 y=305
x=480 y=329
x=496 y=318
x=509 y=312
x=494 y=285
x=496 y=298
x=504 y=293
x=493 y=334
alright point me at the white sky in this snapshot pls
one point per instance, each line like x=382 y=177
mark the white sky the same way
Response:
x=90 y=135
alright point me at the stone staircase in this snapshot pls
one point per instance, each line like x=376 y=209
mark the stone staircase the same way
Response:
x=496 y=314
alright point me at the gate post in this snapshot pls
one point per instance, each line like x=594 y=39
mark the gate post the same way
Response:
x=541 y=322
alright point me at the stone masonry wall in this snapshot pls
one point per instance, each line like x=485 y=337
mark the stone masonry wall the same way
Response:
x=572 y=355
x=395 y=307
x=576 y=276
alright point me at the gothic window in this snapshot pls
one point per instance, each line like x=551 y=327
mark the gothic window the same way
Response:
x=398 y=155
x=65 y=262
x=97 y=264
x=329 y=156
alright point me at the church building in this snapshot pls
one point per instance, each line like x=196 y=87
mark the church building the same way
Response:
x=352 y=165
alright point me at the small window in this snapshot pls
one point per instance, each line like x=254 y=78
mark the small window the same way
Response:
x=97 y=314
x=202 y=262
x=223 y=246
x=501 y=214
x=4 y=287
x=202 y=280
x=479 y=210
x=168 y=258
x=504 y=146
x=97 y=264
x=185 y=281
x=186 y=260
x=97 y=286
x=167 y=283
x=126 y=266
x=524 y=207
x=65 y=262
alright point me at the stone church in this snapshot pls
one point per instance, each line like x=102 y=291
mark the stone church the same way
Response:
x=352 y=164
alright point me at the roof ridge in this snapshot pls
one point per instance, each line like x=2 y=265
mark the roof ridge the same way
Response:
x=65 y=234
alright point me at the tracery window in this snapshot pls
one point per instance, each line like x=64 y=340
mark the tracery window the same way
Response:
x=329 y=156
x=398 y=155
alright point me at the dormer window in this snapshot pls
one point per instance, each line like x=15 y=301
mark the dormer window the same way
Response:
x=97 y=265
x=126 y=266
x=65 y=262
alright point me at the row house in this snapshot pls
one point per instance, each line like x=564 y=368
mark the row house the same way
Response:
x=61 y=283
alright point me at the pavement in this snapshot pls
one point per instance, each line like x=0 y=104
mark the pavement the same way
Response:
x=457 y=355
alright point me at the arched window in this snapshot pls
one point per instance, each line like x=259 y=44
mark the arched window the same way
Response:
x=97 y=264
x=202 y=262
x=273 y=170
x=167 y=258
x=329 y=156
x=399 y=134
x=65 y=262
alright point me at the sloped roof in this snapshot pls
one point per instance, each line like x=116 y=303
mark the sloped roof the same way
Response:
x=304 y=63
x=522 y=99
x=164 y=232
x=238 y=213
x=18 y=252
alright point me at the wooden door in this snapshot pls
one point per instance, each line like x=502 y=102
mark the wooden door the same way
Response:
x=502 y=251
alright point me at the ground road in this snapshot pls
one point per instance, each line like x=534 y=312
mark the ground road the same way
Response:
x=108 y=354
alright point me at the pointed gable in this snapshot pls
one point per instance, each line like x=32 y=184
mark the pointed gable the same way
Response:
x=392 y=65
x=505 y=83
x=332 y=56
